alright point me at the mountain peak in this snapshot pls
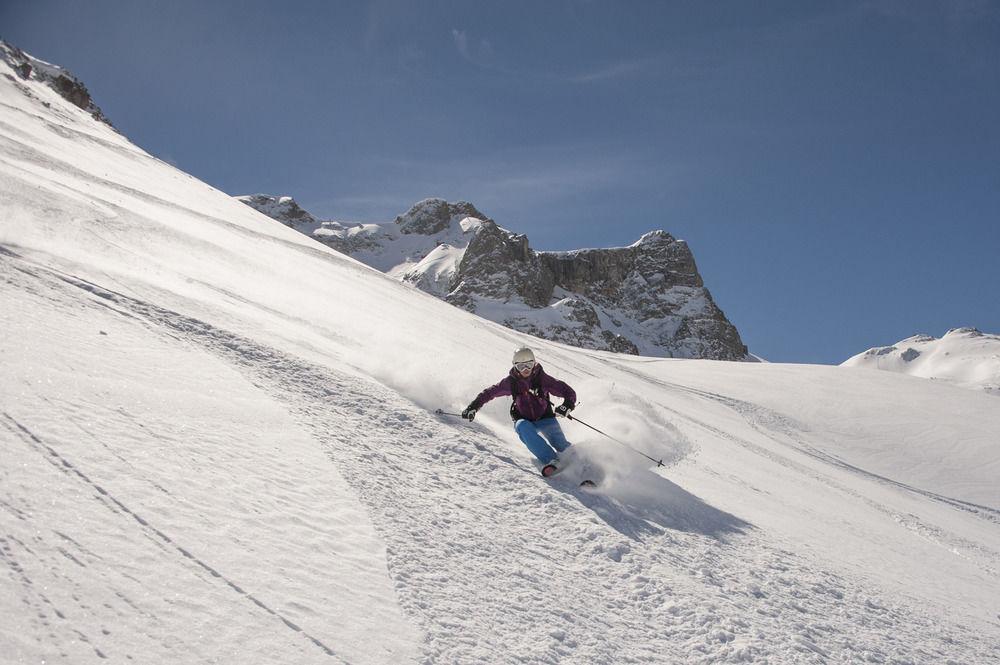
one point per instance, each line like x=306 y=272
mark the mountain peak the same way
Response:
x=653 y=237
x=964 y=332
x=284 y=209
x=70 y=88
x=435 y=215
x=646 y=298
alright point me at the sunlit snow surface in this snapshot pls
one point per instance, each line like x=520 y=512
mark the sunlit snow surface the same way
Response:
x=217 y=444
x=964 y=357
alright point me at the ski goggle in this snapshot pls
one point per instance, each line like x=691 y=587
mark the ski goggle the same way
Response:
x=520 y=367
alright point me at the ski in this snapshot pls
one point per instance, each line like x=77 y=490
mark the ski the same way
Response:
x=550 y=471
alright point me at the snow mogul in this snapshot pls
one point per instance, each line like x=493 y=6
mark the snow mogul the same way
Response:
x=534 y=418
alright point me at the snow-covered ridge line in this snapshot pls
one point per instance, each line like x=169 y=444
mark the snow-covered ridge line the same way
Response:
x=649 y=236
x=68 y=86
x=646 y=298
x=964 y=357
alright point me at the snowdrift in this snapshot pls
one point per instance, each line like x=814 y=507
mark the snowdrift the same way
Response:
x=218 y=444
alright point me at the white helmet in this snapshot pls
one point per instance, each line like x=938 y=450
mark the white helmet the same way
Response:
x=523 y=355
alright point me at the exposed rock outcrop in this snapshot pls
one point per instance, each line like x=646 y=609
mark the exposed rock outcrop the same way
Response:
x=281 y=208
x=646 y=298
x=68 y=86
x=435 y=215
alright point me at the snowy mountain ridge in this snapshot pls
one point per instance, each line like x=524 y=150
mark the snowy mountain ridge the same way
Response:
x=26 y=68
x=964 y=357
x=218 y=443
x=646 y=298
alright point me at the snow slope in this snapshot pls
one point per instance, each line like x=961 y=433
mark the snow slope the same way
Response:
x=964 y=357
x=218 y=445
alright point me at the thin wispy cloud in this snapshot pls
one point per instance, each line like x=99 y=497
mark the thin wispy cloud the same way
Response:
x=608 y=72
x=478 y=52
x=537 y=178
x=663 y=65
x=481 y=54
x=461 y=43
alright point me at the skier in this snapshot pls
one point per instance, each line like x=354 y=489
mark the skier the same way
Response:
x=532 y=412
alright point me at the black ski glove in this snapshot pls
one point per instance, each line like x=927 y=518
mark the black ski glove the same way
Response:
x=564 y=409
x=469 y=413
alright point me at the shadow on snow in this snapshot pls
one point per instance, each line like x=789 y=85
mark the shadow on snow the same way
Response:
x=644 y=503
x=637 y=502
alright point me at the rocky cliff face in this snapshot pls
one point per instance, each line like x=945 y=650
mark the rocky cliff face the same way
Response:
x=646 y=299
x=68 y=86
x=655 y=287
x=281 y=208
x=433 y=216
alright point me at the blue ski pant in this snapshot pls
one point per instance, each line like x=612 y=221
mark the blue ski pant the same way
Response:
x=532 y=434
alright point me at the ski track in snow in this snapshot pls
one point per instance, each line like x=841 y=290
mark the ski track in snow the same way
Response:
x=771 y=422
x=784 y=431
x=516 y=570
x=115 y=505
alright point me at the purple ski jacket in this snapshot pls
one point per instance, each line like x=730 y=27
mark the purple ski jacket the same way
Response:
x=531 y=395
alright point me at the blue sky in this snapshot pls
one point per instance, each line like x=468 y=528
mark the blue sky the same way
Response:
x=835 y=167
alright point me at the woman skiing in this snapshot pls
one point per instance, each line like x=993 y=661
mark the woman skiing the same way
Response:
x=532 y=412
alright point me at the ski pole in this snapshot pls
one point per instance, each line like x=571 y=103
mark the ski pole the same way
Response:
x=659 y=462
x=441 y=412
